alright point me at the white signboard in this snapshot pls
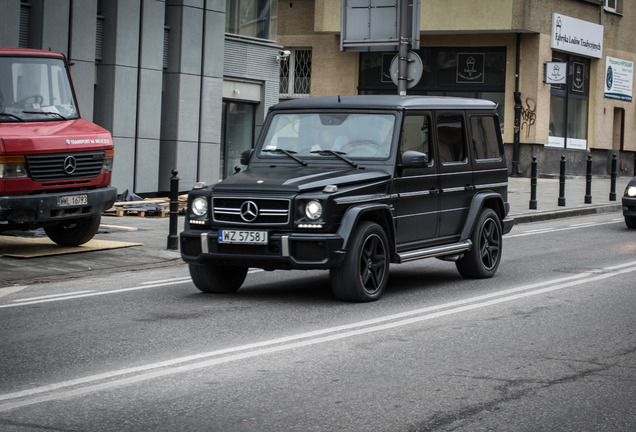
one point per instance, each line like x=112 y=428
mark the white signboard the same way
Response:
x=577 y=36
x=619 y=78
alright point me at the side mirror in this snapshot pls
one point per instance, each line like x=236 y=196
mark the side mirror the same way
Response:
x=246 y=156
x=414 y=159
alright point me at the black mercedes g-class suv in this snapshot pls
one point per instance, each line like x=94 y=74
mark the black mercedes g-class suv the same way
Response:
x=352 y=184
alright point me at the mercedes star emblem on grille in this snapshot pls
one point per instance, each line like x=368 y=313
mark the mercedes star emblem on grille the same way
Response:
x=69 y=165
x=249 y=211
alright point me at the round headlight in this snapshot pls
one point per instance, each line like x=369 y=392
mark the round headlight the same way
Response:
x=630 y=191
x=313 y=210
x=200 y=206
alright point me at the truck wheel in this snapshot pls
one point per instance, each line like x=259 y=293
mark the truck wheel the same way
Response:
x=364 y=272
x=483 y=258
x=630 y=222
x=74 y=232
x=217 y=279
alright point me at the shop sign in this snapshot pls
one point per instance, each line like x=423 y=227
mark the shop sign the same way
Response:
x=556 y=72
x=577 y=36
x=470 y=67
x=578 y=77
x=619 y=78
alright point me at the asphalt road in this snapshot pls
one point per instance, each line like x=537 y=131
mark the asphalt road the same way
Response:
x=549 y=344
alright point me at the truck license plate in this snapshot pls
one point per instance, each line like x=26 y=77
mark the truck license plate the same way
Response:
x=73 y=200
x=243 y=237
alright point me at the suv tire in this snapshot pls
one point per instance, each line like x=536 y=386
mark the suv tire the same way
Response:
x=485 y=254
x=364 y=273
x=217 y=279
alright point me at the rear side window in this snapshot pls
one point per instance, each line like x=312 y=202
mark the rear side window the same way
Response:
x=484 y=138
x=450 y=138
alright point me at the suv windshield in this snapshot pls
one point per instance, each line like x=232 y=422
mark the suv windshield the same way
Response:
x=356 y=135
x=35 y=89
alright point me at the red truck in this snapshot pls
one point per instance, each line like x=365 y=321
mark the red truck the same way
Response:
x=55 y=167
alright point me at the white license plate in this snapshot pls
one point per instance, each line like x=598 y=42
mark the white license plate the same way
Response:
x=73 y=200
x=243 y=237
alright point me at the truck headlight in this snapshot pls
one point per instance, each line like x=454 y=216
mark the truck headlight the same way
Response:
x=107 y=166
x=313 y=210
x=13 y=167
x=630 y=191
x=200 y=206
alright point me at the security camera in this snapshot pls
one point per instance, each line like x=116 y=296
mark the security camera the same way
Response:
x=282 y=55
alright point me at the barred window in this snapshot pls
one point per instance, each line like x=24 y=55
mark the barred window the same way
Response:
x=295 y=74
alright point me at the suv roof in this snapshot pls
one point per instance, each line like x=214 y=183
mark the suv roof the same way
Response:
x=385 y=102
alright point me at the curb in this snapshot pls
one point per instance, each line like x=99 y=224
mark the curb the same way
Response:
x=559 y=214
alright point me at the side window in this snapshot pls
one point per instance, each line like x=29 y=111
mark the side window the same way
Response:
x=416 y=135
x=484 y=138
x=450 y=138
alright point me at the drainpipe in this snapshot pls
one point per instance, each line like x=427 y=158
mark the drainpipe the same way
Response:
x=517 y=130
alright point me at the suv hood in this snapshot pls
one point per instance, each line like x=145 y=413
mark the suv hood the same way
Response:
x=52 y=136
x=292 y=179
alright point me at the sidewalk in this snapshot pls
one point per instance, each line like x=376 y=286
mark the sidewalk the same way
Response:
x=153 y=232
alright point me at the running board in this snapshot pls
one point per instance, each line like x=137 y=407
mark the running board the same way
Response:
x=435 y=251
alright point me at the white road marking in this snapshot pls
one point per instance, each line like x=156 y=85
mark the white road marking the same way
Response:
x=52 y=296
x=123 y=377
x=12 y=289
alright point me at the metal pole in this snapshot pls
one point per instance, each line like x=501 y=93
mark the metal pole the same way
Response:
x=533 y=184
x=517 y=128
x=403 y=48
x=562 y=183
x=612 y=195
x=173 y=237
x=588 y=180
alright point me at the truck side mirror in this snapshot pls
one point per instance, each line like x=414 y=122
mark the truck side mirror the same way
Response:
x=414 y=159
x=246 y=156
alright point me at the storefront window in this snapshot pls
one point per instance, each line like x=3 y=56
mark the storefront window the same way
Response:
x=458 y=71
x=569 y=104
x=237 y=134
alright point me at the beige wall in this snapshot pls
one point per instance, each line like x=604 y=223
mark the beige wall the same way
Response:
x=316 y=24
x=332 y=72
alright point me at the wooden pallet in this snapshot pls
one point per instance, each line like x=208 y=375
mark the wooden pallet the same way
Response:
x=127 y=208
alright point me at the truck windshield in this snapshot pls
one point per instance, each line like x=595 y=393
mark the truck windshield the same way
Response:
x=356 y=135
x=35 y=89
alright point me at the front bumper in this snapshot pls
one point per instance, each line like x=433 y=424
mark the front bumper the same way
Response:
x=42 y=208
x=285 y=250
x=629 y=206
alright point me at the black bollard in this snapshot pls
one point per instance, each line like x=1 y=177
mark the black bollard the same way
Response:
x=533 y=184
x=173 y=237
x=588 y=180
x=612 y=196
x=562 y=183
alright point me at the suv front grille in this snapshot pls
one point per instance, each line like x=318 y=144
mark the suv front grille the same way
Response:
x=251 y=210
x=62 y=166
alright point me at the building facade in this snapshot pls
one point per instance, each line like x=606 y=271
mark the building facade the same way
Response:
x=180 y=84
x=498 y=50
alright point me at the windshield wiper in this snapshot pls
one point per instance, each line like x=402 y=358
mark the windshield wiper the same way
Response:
x=6 y=114
x=338 y=154
x=46 y=113
x=289 y=153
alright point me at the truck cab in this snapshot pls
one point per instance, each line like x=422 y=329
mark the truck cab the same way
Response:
x=55 y=166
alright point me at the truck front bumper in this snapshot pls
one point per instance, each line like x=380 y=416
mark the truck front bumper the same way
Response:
x=283 y=251
x=50 y=207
